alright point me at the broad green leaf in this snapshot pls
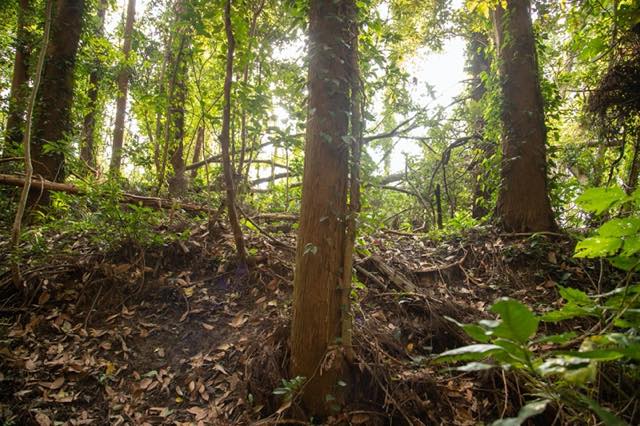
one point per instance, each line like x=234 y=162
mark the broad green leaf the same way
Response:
x=475 y=366
x=598 y=247
x=631 y=246
x=518 y=322
x=595 y=355
x=557 y=338
x=599 y=200
x=474 y=331
x=469 y=353
x=568 y=311
x=624 y=263
x=574 y=295
x=621 y=227
x=531 y=409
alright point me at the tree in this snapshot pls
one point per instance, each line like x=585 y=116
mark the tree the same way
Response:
x=19 y=86
x=123 y=88
x=318 y=301
x=52 y=112
x=479 y=66
x=225 y=140
x=87 y=150
x=523 y=199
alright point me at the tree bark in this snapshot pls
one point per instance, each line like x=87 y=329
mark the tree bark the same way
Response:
x=523 y=199
x=88 y=150
x=197 y=151
x=480 y=64
x=19 y=87
x=178 y=181
x=316 y=331
x=123 y=88
x=52 y=113
x=225 y=140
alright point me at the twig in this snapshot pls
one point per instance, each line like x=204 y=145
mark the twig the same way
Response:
x=86 y=320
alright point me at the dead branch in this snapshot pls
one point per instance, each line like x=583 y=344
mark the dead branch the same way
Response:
x=153 y=202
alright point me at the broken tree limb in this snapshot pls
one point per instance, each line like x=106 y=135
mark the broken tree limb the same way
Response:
x=38 y=184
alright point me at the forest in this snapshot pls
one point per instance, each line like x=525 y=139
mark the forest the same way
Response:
x=341 y=212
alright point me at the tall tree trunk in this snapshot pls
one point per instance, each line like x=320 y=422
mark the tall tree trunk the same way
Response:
x=317 y=300
x=225 y=140
x=52 y=112
x=178 y=181
x=88 y=150
x=478 y=65
x=19 y=87
x=123 y=88
x=523 y=199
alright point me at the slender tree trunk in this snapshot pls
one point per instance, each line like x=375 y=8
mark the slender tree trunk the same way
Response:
x=197 y=151
x=316 y=330
x=123 y=88
x=19 y=87
x=479 y=64
x=634 y=169
x=357 y=133
x=52 y=113
x=225 y=140
x=523 y=200
x=16 y=229
x=88 y=150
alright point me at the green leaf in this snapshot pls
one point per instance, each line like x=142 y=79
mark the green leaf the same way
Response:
x=622 y=227
x=595 y=355
x=599 y=200
x=518 y=322
x=568 y=311
x=469 y=353
x=625 y=263
x=574 y=295
x=531 y=409
x=605 y=415
x=557 y=338
x=598 y=247
x=475 y=366
x=474 y=331
x=631 y=246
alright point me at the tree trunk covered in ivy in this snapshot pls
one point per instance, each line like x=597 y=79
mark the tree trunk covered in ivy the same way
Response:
x=88 y=148
x=317 y=300
x=478 y=65
x=19 y=87
x=523 y=199
x=55 y=96
x=123 y=88
x=178 y=181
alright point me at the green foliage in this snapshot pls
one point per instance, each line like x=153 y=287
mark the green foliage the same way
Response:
x=101 y=218
x=554 y=372
x=617 y=239
x=290 y=388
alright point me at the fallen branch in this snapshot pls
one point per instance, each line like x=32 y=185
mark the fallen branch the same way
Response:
x=153 y=202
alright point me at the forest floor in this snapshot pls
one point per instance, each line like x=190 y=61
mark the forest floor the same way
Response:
x=178 y=335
